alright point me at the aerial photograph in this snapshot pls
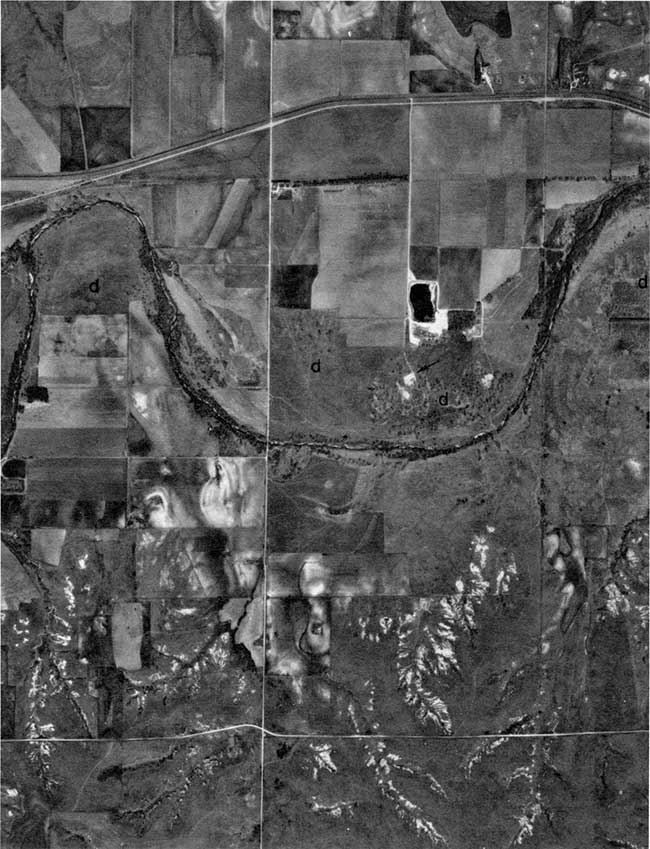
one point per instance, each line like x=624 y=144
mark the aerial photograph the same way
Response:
x=325 y=419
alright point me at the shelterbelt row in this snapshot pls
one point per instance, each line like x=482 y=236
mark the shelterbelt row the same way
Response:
x=35 y=187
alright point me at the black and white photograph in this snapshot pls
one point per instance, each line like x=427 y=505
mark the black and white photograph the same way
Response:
x=325 y=421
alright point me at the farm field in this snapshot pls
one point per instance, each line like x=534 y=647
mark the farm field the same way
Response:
x=324 y=425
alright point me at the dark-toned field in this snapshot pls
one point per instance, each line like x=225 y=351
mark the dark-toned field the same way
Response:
x=325 y=414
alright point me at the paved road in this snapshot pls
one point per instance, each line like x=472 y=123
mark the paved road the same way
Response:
x=395 y=448
x=39 y=186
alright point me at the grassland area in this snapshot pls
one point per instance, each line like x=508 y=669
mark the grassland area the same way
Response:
x=325 y=413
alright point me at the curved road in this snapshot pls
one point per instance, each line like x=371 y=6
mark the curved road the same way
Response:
x=39 y=186
x=603 y=209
